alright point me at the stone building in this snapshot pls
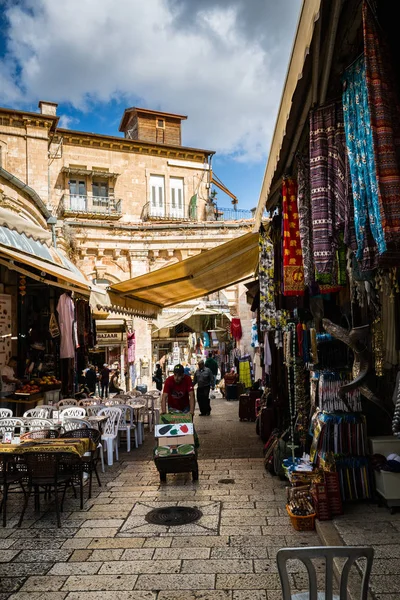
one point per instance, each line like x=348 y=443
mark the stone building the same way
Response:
x=121 y=205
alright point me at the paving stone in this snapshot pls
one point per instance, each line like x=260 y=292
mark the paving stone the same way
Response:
x=249 y=530
x=6 y=543
x=246 y=581
x=140 y=566
x=386 y=567
x=37 y=596
x=181 y=553
x=80 y=555
x=41 y=555
x=239 y=552
x=111 y=596
x=217 y=566
x=197 y=595
x=15 y=569
x=76 y=543
x=388 y=584
x=7 y=555
x=249 y=512
x=75 y=568
x=257 y=540
x=242 y=521
x=249 y=595
x=158 y=543
x=387 y=551
x=101 y=583
x=105 y=555
x=102 y=523
x=175 y=582
x=45 y=583
x=104 y=543
x=92 y=532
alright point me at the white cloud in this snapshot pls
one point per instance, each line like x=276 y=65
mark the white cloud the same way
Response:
x=66 y=121
x=89 y=51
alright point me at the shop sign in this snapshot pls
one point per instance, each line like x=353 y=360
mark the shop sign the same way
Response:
x=108 y=338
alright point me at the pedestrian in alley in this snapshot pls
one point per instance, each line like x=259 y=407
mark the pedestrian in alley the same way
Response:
x=157 y=377
x=104 y=380
x=212 y=364
x=91 y=379
x=178 y=392
x=205 y=381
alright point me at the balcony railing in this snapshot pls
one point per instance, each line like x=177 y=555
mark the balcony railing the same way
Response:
x=90 y=206
x=169 y=212
x=233 y=214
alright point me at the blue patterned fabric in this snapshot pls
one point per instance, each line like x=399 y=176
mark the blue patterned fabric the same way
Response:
x=360 y=150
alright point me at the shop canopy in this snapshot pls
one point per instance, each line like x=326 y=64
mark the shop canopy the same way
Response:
x=198 y=276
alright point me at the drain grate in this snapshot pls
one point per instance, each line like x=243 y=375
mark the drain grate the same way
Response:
x=173 y=515
x=226 y=481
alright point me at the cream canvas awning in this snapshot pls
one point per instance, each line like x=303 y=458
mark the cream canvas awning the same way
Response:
x=194 y=277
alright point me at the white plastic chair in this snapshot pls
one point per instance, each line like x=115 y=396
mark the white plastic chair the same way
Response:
x=6 y=413
x=67 y=402
x=40 y=412
x=126 y=423
x=36 y=424
x=10 y=423
x=110 y=432
x=94 y=410
x=77 y=412
x=71 y=423
x=328 y=553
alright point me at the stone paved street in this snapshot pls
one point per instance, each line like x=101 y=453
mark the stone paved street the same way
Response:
x=229 y=554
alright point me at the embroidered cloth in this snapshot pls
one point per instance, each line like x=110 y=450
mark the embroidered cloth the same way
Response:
x=293 y=272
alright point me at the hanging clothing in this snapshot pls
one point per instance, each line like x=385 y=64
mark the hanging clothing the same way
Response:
x=254 y=334
x=131 y=340
x=293 y=272
x=270 y=317
x=236 y=328
x=330 y=205
x=267 y=353
x=258 y=372
x=360 y=151
x=66 y=319
x=206 y=339
x=245 y=375
x=385 y=124
x=305 y=226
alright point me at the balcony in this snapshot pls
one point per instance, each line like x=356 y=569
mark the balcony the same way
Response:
x=169 y=212
x=90 y=207
x=233 y=214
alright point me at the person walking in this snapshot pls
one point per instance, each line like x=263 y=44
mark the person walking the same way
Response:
x=205 y=381
x=212 y=364
x=104 y=380
x=157 y=377
x=178 y=392
x=91 y=379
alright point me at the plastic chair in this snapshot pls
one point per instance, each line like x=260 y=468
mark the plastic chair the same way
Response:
x=77 y=412
x=71 y=423
x=34 y=423
x=110 y=432
x=5 y=413
x=329 y=553
x=67 y=402
x=40 y=412
x=10 y=423
x=94 y=410
x=126 y=423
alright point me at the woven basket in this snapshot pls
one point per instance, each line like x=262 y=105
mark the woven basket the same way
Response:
x=300 y=523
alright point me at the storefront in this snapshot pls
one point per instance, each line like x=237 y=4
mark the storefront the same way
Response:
x=111 y=347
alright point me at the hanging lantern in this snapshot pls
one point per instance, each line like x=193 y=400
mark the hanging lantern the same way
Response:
x=22 y=285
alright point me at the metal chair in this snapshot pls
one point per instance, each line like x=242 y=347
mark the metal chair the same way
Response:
x=35 y=423
x=67 y=402
x=126 y=423
x=10 y=423
x=110 y=432
x=5 y=413
x=77 y=412
x=11 y=474
x=41 y=412
x=49 y=470
x=306 y=555
x=40 y=434
x=89 y=459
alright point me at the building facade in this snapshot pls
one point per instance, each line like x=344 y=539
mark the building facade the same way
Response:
x=119 y=206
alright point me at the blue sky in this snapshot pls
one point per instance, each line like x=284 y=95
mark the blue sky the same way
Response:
x=221 y=62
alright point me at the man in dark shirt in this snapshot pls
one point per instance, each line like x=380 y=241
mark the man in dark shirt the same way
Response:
x=91 y=379
x=178 y=392
x=205 y=380
x=104 y=380
x=212 y=364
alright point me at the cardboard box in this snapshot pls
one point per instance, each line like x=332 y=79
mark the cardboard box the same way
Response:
x=175 y=430
x=176 y=441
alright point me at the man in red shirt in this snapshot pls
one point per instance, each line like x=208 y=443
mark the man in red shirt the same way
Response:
x=178 y=392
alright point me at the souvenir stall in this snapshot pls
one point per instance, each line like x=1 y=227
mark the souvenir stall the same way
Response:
x=329 y=287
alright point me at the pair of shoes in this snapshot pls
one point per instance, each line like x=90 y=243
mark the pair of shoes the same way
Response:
x=208 y=414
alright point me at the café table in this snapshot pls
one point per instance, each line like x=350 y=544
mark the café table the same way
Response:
x=78 y=446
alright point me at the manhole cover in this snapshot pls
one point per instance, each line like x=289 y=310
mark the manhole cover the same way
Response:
x=226 y=481
x=173 y=515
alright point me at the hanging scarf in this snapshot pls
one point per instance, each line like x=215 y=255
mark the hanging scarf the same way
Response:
x=305 y=227
x=270 y=317
x=385 y=125
x=236 y=328
x=293 y=272
x=330 y=206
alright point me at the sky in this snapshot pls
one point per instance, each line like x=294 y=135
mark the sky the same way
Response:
x=222 y=63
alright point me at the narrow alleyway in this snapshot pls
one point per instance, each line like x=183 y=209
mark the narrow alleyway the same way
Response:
x=229 y=554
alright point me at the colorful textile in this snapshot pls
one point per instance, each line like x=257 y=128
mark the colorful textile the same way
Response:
x=245 y=373
x=329 y=183
x=270 y=317
x=236 y=328
x=385 y=125
x=74 y=445
x=360 y=151
x=131 y=339
x=293 y=272
x=254 y=334
x=305 y=227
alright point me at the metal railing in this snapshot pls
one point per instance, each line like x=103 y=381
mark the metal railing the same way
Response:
x=168 y=212
x=76 y=204
x=233 y=214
